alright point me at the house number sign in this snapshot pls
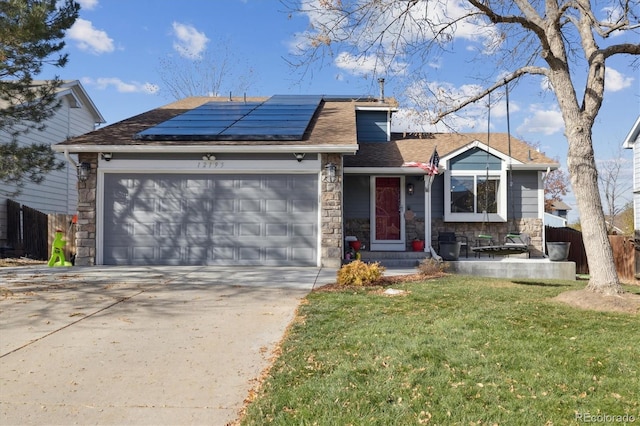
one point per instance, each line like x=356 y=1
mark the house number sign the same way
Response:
x=210 y=164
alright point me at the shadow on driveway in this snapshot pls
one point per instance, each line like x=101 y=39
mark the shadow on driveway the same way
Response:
x=147 y=345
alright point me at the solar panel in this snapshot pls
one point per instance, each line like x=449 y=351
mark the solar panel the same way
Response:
x=281 y=117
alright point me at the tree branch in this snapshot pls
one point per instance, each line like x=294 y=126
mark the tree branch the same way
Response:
x=513 y=76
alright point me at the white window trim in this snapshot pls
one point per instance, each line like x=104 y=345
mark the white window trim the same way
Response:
x=500 y=216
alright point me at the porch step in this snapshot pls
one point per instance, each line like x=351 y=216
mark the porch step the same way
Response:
x=395 y=259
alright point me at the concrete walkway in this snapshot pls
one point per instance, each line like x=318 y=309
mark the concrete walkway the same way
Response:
x=140 y=345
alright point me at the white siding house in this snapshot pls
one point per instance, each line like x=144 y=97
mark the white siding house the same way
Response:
x=632 y=141
x=76 y=116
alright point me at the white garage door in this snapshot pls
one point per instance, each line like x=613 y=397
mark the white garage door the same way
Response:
x=184 y=219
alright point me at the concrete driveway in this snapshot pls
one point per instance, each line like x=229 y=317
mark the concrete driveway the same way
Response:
x=140 y=345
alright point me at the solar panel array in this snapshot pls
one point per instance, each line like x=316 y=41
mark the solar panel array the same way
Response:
x=281 y=118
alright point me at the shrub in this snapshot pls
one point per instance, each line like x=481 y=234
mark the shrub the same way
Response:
x=359 y=273
x=432 y=267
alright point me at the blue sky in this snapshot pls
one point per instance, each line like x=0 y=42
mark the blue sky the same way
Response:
x=116 y=49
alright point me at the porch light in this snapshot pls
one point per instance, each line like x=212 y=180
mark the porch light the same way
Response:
x=410 y=188
x=330 y=173
x=299 y=156
x=84 y=170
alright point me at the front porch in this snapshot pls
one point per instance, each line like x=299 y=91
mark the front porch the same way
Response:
x=510 y=267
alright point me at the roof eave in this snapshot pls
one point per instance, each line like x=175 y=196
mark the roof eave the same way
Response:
x=170 y=149
x=633 y=135
x=536 y=166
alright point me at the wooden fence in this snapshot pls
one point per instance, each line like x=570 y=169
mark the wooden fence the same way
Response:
x=34 y=233
x=31 y=232
x=576 y=250
x=625 y=252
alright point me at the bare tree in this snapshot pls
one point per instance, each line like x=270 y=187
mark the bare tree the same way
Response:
x=614 y=188
x=567 y=42
x=214 y=73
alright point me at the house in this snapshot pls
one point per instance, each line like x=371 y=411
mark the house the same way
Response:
x=283 y=180
x=632 y=141
x=77 y=115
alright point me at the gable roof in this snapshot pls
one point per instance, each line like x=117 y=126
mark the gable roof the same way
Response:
x=560 y=205
x=331 y=129
x=74 y=90
x=419 y=147
x=633 y=136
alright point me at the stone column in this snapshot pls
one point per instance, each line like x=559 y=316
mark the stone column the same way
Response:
x=86 y=227
x=331 y=214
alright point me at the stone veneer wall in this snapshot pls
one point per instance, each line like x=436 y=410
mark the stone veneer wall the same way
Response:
x=360 y=228
x=532 y=227
x=331 y=215
x=86 y=227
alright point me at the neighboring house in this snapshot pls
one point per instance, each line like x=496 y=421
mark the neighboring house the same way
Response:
x=77 y=115
x=282 y=181
x=632 y=141
x=560 y=209
x=558 y=216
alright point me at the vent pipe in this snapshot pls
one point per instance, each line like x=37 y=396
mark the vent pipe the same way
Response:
x=381 y=83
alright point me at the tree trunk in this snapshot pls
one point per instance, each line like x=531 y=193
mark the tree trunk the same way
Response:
x=584 y=180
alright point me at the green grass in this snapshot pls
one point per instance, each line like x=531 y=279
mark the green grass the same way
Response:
x=456 y=350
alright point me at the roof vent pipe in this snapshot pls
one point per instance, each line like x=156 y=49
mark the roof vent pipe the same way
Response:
x=381 y=83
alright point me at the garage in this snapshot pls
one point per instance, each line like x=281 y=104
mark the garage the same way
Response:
x=210 y=219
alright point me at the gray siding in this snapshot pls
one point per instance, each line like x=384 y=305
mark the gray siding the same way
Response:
x=372 y=126
x=475 y=159
x=57 y=193
x=437 y=198
x=415 y=202
x=525 y=195
x=357 y=197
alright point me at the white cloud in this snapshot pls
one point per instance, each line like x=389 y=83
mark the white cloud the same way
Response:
x=615 y=81
x=88 y=4
x=365 y=65
x=104 y=83
x=190 y=42
x=542 y=121
x=90 y=39
x=426 y=20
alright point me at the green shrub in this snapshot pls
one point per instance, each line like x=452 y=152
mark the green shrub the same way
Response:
x=432 y=267
x=359 y=273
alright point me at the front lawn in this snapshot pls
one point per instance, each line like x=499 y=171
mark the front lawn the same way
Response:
x=454 y=350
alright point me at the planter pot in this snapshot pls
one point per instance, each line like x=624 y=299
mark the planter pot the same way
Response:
x=450 y=250
x=417 y=245
x=355 y=245
x=558 y=251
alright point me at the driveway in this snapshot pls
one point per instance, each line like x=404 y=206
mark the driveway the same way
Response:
x=140 y=345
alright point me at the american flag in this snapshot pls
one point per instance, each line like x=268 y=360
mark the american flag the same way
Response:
x=432 y=168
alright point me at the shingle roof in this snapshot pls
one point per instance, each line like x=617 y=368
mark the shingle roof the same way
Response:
x=333 y=124
x=419 y=147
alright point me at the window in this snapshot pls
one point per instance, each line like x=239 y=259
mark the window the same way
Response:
x=469 y=194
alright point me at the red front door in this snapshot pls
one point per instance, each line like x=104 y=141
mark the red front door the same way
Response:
x=388 y=230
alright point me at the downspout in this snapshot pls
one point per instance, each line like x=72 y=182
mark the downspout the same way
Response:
x=69 y=159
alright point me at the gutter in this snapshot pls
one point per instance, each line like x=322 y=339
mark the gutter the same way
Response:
x=343 y=149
